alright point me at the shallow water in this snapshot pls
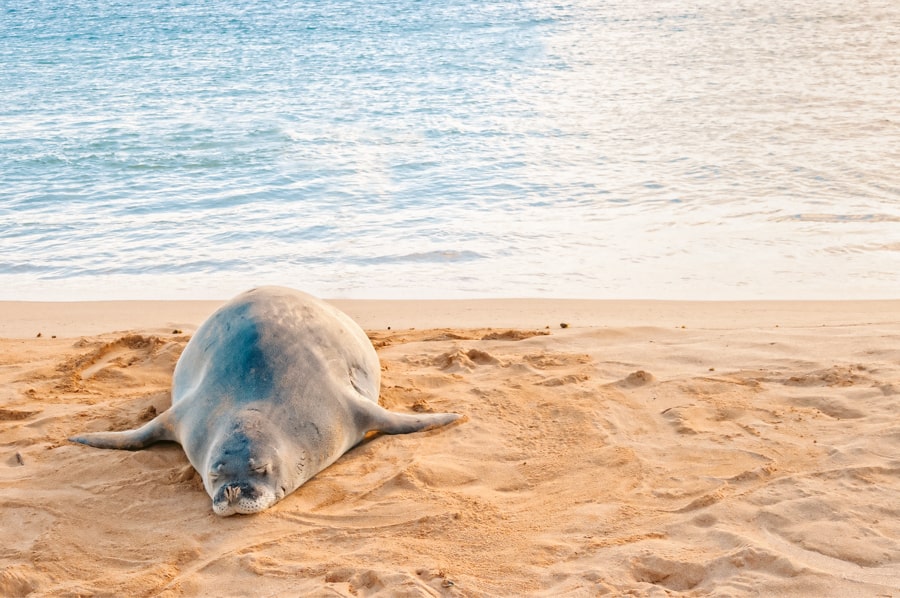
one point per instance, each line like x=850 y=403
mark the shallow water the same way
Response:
x=450 y=149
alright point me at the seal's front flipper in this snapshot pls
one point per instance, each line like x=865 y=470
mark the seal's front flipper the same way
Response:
x=373 y=417
x=155 y=430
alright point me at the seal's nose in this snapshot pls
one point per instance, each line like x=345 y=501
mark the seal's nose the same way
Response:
x=232 y=493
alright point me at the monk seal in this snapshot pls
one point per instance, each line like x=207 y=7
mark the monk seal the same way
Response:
x=273 y=388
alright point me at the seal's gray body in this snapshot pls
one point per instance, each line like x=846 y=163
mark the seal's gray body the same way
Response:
x=273 y=388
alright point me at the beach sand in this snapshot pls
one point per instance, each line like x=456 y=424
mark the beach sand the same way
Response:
x=648 y=449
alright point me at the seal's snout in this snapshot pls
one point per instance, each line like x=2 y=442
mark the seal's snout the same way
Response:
x=242 y=498
x=232 y=493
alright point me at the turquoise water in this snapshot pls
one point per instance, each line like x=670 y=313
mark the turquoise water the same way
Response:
x=450 y=148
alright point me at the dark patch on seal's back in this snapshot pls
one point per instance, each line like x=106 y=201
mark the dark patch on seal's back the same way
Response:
x=244 y=359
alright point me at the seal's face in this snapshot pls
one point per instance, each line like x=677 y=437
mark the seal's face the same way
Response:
x=245 y=476
x=248 y=489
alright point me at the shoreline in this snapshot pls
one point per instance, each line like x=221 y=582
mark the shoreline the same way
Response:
x=25 y=319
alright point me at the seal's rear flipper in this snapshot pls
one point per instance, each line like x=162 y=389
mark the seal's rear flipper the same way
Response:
x=373 y=417
x=155 y=430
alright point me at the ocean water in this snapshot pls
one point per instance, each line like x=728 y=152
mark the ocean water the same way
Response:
x=450 y=148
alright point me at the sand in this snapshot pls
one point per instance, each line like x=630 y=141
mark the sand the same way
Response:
x=647 y=449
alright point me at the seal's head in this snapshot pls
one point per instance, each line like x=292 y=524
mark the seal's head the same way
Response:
x=246 y=473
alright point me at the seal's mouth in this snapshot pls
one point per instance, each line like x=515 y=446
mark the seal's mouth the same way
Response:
x=241 y=500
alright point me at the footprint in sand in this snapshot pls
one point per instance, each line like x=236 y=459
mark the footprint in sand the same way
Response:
x=17 y=414
x=462 y=360
x=111 y=359
x=569 y=367
x=636 y=379
x=846 y=375
x=19 y=581
x=465 y=361
x=678 y=576
x=563 y=380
